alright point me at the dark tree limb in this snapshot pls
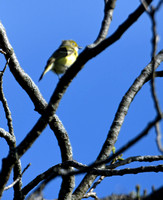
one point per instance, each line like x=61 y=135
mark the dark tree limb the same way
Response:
x=117 y=124
x=12 y=142
x=61 y=170
x=40 y=105
x=108 y=14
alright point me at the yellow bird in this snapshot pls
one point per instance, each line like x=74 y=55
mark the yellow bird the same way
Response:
x=62 y=58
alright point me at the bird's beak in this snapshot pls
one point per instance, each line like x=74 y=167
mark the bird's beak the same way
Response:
x=80 y=47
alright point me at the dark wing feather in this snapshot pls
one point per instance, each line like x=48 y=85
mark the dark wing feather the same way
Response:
x=59 y=53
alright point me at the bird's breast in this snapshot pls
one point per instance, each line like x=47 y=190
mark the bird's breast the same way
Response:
x=62 y=64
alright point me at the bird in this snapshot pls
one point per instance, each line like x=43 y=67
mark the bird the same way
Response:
x=62 y=58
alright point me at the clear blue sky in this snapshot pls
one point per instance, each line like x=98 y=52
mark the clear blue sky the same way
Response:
x=35 y=29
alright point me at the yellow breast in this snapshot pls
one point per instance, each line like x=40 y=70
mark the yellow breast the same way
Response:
x=62 y=64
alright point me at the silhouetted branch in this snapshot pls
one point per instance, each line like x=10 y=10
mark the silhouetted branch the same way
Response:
x=48 y=116
x=7 y=136
x=40 y=105
x=88 y=54
x=53 y=171
x=90 y=192
x=135 y=159
x=158 y=138
x=154 y=40
x=108 y=14
x=18 y=179
x=15 y=154
x=4 y=101
x=10 y=140
x=151 y=13
x=118 y=121
x=61 y=170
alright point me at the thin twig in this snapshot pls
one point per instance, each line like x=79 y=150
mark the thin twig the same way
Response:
x=144 y=3
x=159 y=74
x=59 y=170
x=108 y=14
x=94 y=187
x=158 y=138
x=127 y=161
x=10 y=140
x=135 y=159
x=156 y=74
x=121 y=172
x=151 y=13
x=104 y=172
x=153 y=55
x=18 y=179
x=91 y=194
x=3 y=52
x=4 y=101
x=142 y=134
x=40 y=105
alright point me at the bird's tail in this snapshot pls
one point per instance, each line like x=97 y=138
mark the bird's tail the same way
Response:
x=47 y=68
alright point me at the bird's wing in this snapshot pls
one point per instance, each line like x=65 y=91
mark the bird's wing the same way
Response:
x=59 y=53
x=48 y=67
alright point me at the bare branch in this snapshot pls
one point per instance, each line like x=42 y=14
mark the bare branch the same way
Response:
x=40 y=105
x=11 y=140
x=60 y=170
x=52 y=173
x=153 y=54
x=160 y=3
x=7 y=136
x=137 y=86
x=124 y=162
x=4 y=101
x=121 y=172
x=108 y=13
x=158 y=138
x=122 y=149
x=151 y=12
x=18 y=179
x=90 y=192
x=86 y=55
x=159 y=74
x=156 y=74
x=3 y=52
x=8 y=163
x=57 y=171
x=66 y=152
x=48 y=112
x=144 y=3
x=118 y=121
x=135 y=159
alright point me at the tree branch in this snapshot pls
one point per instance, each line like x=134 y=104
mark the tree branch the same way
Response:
x=118 y=121
x=18 y=179
x=121 y=172
x=40 y=105
x=158 y=138
x=7 y=136
x=61 y=170
x=151 y=13
x=11 y=141
x=88 y=54
x=108 y=13
x=53 y=171
x=135 y=159
x=4 y=101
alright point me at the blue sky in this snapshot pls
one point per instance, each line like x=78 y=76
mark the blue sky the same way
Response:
x=35 y=29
